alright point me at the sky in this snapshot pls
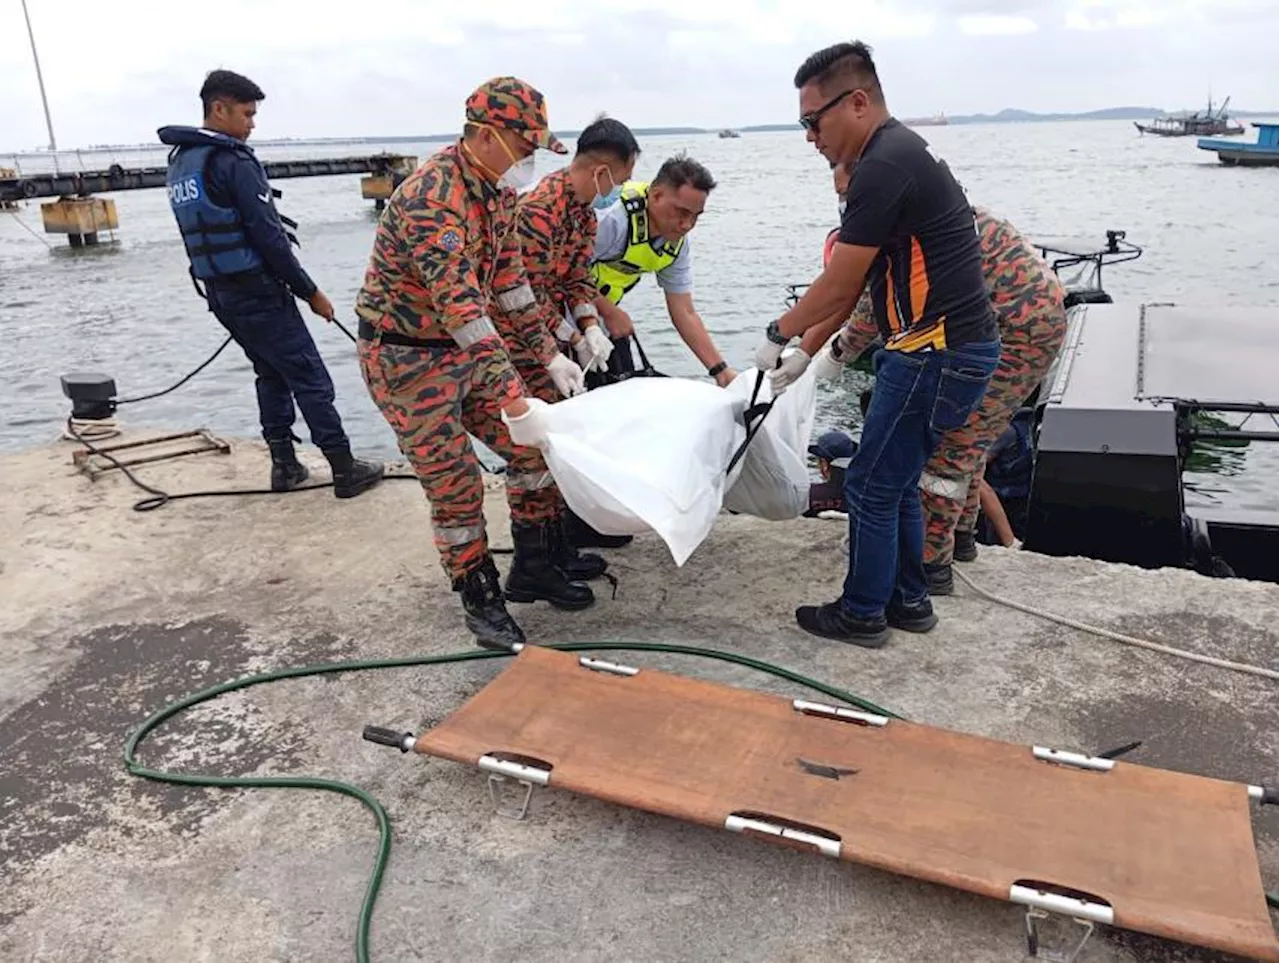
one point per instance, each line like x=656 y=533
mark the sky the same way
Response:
x=115 y=73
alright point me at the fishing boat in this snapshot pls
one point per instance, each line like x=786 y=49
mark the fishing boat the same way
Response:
x=1210 y=122
x=728 y=132
x=1264 y=152
x=937 y=120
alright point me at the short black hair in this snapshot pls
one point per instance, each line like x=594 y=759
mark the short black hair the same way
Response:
x=604 y=135
x=228 y=85
x=847 y=66
x=681 y=170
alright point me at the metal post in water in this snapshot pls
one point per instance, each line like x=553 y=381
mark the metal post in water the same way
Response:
x=53 y=142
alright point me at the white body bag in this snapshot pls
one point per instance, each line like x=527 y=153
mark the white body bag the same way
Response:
x=651 y=454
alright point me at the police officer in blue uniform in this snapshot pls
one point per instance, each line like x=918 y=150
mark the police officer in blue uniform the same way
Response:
x=239 y=248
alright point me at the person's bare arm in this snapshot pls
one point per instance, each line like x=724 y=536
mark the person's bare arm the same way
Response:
x=813 y=340
x=616 y=321
x=994 y=511
x=689 y=324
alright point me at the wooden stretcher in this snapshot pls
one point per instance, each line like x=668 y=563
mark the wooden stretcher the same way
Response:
x=1092 y=839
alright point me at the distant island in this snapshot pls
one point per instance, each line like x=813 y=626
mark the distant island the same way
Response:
x=1009 y=115
x=1012 y=115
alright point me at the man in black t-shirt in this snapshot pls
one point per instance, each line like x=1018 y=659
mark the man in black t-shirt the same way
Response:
x=907 y=235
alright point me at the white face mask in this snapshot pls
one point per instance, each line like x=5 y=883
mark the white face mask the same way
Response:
x=842 y=205
x=519 y=175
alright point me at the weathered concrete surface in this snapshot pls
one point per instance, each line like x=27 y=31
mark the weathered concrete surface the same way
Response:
x=107 y=614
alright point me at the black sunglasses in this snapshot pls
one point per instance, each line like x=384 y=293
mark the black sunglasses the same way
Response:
x=810 y=121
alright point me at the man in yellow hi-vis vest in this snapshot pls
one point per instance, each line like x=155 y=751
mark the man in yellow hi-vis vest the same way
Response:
x=646 y=232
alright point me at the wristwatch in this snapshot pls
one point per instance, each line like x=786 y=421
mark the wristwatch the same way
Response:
x=774 y=334
x=715 y=369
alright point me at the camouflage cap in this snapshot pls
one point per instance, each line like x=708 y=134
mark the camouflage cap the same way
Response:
x=511 y=104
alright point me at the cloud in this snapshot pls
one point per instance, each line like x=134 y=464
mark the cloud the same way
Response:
x=342 y=71
x=996 y=25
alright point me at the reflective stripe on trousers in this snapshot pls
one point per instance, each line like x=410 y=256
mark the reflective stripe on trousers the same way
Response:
x=529 y=481
x=460 y=534
x=954 y=489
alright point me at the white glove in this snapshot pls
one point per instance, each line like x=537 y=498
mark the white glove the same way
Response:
x=770 y=348
x=601 y=346
x=567 y=376
x=792 y=367
x=530 y=429
x=825 y=366
x=586 y=357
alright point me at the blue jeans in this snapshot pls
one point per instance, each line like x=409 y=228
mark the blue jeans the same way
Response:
x=917 y=399
x=260 y=313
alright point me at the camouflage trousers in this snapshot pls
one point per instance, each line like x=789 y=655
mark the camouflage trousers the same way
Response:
x=432 y=398
x=1031 y=334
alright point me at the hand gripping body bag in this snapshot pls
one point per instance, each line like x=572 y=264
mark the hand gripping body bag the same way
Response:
x=646 y=454
x=773 y=482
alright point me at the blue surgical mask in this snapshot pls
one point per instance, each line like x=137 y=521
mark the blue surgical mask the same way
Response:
x=603 y=201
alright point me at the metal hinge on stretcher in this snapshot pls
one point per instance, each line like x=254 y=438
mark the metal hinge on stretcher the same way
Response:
x=1041 y=904
x=500 y=770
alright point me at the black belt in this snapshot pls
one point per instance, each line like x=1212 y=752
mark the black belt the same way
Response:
x=369 y=333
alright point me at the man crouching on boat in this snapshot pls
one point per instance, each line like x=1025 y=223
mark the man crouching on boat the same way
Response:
x=446 y=314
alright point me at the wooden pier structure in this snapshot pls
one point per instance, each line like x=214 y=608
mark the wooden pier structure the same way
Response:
x=80 y=215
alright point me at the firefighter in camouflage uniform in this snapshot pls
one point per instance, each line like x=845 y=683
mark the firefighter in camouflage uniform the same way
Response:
x=446 y=319
x=557 y=225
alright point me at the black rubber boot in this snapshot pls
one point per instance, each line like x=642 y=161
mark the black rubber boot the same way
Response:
x=485 y=614
x=351 y=476
x=535 y=577
x=940 y=579
x=287 y=473
x=966 y=549
x=578 y=566
x=830 y=621
x=582 y=535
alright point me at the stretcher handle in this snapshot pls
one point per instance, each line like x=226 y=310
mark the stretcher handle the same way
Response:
x=389 y=737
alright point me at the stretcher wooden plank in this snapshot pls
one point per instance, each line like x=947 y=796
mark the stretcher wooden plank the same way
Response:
x=1172 y=854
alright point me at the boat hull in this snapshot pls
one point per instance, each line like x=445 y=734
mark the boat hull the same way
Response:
x=1265 y=152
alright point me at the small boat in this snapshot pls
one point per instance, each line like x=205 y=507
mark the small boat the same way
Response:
x=1209 y=123
x=937 y=120
x=729 y=133
x=1264 y=152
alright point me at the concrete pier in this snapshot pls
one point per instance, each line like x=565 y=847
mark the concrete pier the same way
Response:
x=107 y=614
x=80 y=218
x=8 y=173
x=380 y=186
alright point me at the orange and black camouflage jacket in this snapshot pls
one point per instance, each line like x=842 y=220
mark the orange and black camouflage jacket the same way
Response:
x=557 y=236
x=447 y=262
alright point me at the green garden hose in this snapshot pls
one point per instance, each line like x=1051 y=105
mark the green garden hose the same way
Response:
x=134 y=768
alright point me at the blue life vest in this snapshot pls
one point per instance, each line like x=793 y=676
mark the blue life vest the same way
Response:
x=214 y=235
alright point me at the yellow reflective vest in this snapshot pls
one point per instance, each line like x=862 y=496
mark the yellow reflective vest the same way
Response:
x=615 y=278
